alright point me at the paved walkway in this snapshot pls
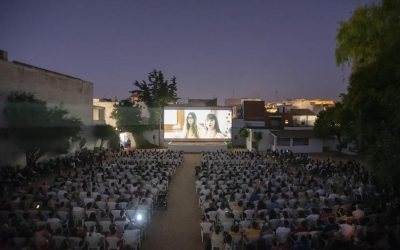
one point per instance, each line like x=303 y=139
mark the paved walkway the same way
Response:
x=177 y=228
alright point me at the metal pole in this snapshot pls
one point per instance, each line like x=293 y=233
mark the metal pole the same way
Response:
x=159 y=130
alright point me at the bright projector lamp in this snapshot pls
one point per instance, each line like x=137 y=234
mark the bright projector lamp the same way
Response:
x=139 y=217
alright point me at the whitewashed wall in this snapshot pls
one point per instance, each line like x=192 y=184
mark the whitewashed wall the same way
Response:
x=74 y=94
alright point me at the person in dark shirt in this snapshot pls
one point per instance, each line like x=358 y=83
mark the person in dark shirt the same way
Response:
x=331 y=226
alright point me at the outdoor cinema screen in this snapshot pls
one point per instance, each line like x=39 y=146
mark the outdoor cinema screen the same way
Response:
x=197 y=123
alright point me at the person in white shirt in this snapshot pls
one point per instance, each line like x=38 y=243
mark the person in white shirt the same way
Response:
x=282 y=232
x=217 y=238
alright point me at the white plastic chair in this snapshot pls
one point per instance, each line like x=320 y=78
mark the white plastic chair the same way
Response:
x=227 y=226
x=244 y=224
x=64 y=215
x=101 y=205
x=122 y=205
x=58 y=240
x=54 y=225
x=131 y=238
x=76 y=242
x=94 y=242
x=115 y=213
x=205 y=228
x=212 y=216
x=130 y=214
x=249 y=214
x=111 y=205
x=89 y=224
x=105 y=225
x=78 y=213
x=120 y=225
x=112 y=243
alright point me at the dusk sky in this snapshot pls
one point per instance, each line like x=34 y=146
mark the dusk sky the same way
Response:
x=268 y=49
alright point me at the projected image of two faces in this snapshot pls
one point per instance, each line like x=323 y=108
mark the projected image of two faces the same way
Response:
x=197 y=124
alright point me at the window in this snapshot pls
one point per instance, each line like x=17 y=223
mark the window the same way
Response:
x=299 y=120
x=98 y=114
x=300 y=141
x=283 y=141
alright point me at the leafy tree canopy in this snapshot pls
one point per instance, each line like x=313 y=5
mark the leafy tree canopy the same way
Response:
x=334 y=122
x=370 y=42
x=103 y=132
x=257 y=136
x=156 y=93
x=369 y=31
x=127 y=115
x=243 y=132
x=39 y=129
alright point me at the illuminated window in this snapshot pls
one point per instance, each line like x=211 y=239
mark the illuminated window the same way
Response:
x=98 y=114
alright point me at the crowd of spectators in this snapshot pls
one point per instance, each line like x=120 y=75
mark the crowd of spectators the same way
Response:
x=13 y=177
x=281 y=200
x=248 y=200
x=97 y=199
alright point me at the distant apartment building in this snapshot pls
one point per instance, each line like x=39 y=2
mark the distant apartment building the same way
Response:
x=289 y=128
x=314 y=105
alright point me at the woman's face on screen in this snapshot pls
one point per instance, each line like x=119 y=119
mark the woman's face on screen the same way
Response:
x=210 y=124
x=190 y=119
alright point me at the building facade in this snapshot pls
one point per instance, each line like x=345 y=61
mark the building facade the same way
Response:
x=102 y=111
x=74 y=94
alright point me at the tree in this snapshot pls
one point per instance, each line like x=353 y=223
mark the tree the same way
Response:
x=128 y=118
x=39 y=129
x=334 y=122
x=127 y=115
x=156 y=94
x=370 y=43
x=257 y=136
x=103 y=132
x=371 y=30
x=243 y=132
x=374 y=98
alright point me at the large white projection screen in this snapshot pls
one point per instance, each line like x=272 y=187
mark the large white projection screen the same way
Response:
x=197 y=124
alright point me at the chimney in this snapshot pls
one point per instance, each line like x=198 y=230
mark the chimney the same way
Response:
x=3 y=55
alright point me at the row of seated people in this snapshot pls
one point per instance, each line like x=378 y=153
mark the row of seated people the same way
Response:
x=90 y=204
x=334 y=206
x=14 y=177
x=234 y=158
x=254 y=236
